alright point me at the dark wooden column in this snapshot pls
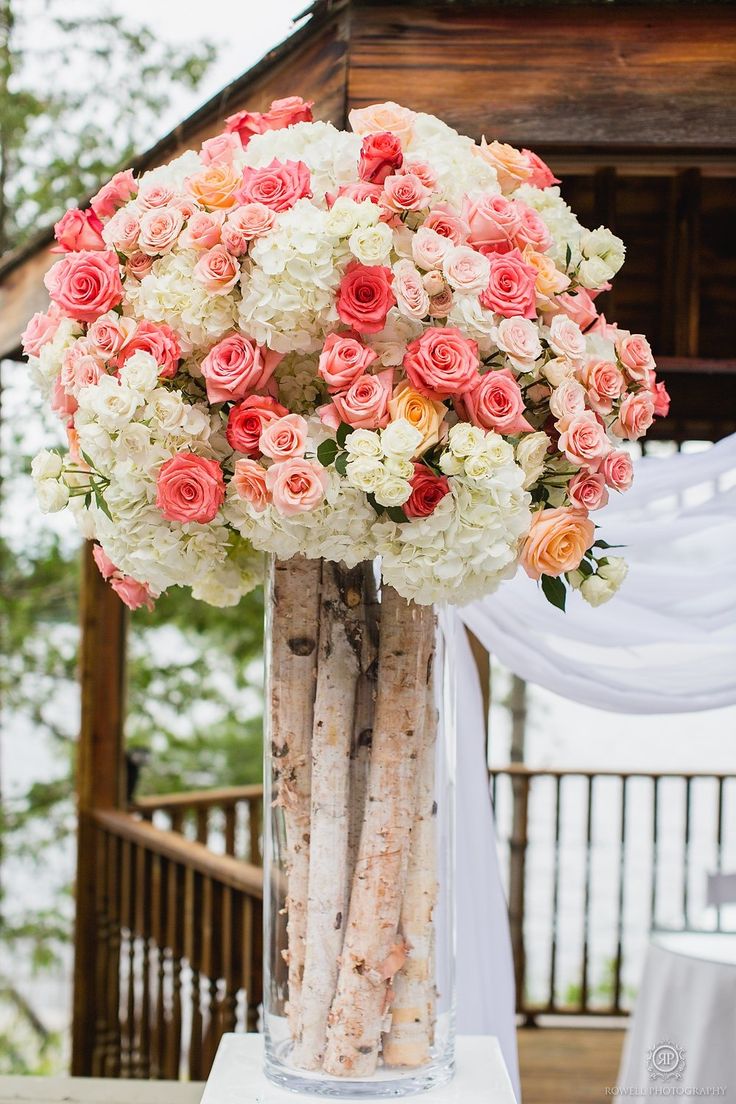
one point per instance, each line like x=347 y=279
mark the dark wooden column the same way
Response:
x=100 y=779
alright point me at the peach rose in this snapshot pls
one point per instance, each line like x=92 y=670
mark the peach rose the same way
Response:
x=588 y=491
x=215 y=186
x=494 y=221
x=635 y=353
x=250 y=483
x=245 y=223
x=423 y=170
x=217 y=270
x=121 y=232
x=296 y=485
x=412 y=299
x=364 y=405
x=556 y=542
x=568 y=398
x=511 y=286
x=423 y=413
x=77 y=230
x=277 y=186
x=85 y=285
x=138 y=265
x=583 y=440
x=80 y=368
x=247 y=420
x=635 y=415
x=343 y=360
x=604 y=382
x=618 y=470
x=159 y=230
x=440 y=303
x=110 y=333
x=511 y=165
x=549 y=280
x=203 y=230
x=405 y=192
x=190 y=488
x=382 y=117
x=155 y=194
x=40 y=330
x=448 y=224
x=284 y=438
x=114 y=194
x=442 y=362
x=496 y=402
x=235 y=366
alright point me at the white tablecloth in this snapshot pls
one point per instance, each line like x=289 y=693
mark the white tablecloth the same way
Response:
x=681 y=1042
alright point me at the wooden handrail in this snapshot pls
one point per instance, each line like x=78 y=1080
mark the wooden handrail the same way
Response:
x=227 y=795
x=242 y=876
x=521 y=770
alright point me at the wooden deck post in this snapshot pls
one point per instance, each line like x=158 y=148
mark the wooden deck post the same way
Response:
x=99 y=784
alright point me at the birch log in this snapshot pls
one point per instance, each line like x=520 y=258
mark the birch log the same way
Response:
x=365 y=703
x=295 y=593
x=342 y=624
x=410 y=1036
x=373 y=952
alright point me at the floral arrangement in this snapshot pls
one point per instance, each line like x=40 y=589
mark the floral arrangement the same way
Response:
x=382 y=343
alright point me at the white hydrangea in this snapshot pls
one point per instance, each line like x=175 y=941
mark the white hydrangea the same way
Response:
x=299 y=386
x=454 y=159
x=171 y=293
x=330 y=154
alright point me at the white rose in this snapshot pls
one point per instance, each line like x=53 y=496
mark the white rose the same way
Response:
x=140 y=372
x=530 y=454
x=596 y=590
x=429 y=248
x=450 y=464
x=166 y=410
x=466 y=270
x=46 y=465
x=601 y=243
x=614 y=570
x=566 y=338
x=363 y=442
x=399 y=466
x=401 y=438
x=392 y=491
x=366 y=473
x=593 y=272
x=519 y=339
x=371 y=244
x=111 y=402
x=343 y=217
x=480 y=467
x=567 y=399
x=557 y=370
x=465 y=439
x=52 y=496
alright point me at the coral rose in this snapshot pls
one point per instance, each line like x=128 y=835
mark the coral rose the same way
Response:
x=494 y=221
x=250 y=483
x=296 y=485
x=40 y=330
x=442 y=362
x=221 y=149
x=282 y=113
x=277 y=186
x=190 y=488
x=380 y=156
x=155 y=338
x=247 y=421
x=235 y=366
x=405 y=192
x=343 y=360
x=496 y=402
x=365 y=297
x=114 y=194
x=132 y=593
x=105 y=566
x=661 y=400
x=77 y=230
x=511 y=286
x=448 y=224
x=364 y=405
x=556 y=542
x=85 y=285
x=427 y=491
x=541 y=176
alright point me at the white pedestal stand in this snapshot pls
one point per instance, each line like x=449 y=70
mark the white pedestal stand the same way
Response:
x=237 y=1075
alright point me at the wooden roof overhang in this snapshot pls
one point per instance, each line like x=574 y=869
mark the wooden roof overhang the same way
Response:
x=606 y=92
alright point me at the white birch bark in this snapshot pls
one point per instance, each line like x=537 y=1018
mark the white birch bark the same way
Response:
x=410 y=1036
x=373 y=951
x=365 y=703
x=342 y=625
x=294 y=611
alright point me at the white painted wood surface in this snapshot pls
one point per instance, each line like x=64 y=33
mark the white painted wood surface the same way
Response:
x=96 y=1090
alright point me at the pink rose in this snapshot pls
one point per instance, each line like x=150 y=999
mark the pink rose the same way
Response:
x=448 y=224
x=412 y=299
x=221 y=149
x=604 y=382
x=618 y=470
x=160 y=341
x=429 y=248
x=278 y=186
x=203 y=230
x=442 y=362
x=285 y=437
x=62 y=403
x=132 y=593
x=77 y=230
x=217 y=271
x=556 y=542
x=511 y=286
x=190 y=488
x=282 y=113
x=365 y=297
x=160 y=228
x=185 y=204
x=40 y=330
x=250 y=483
x=80 y=368
x=343 y=360
x=427 y=491
x=518 y=338
x=661 y=400
x=440 y=303
x=85 y=285
x=423 y=170
x=121 y=232
x=588 y=491
x=235 y=366
x=155 y=194
x=380 y=156
x=245 y=223
x=565 y=338
x=608 y=330
x=296 y=485
x=540 y=174
x=466 y=270
x=138 y=265
x=494 y=221
x=635 y=415
x=364 y=405
x=532 y=230
x=583 y=440
x=635 y=353
x=359 y=191
x=495 y=402
x=405 y=192
x=104 y=564
x=578 y=306
x=114 y=194
x=247 y=420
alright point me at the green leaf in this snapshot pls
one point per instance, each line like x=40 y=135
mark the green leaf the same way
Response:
x=341 y=464
x=327 y=451
x=376 y=505
x=554 y=591
x=568 y=256
x=397 y=514
x=605 y=544
x=342 y=433
x=585 y=568
x=87 y=460
x=101 y=504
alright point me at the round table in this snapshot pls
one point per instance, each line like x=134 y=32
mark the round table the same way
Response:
x=681 y=1041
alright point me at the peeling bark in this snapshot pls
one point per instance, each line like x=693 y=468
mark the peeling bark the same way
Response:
x=365 y=703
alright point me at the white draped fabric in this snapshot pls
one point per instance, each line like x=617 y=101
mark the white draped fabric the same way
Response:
x=665 y=644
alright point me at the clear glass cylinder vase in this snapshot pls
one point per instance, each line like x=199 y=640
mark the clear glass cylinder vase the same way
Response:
x=359 y=844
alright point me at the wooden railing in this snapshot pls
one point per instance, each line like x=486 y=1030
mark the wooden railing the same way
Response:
x=594 y=860
x=178 y=932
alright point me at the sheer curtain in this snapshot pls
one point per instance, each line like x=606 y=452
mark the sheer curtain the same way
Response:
x=665 y=644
